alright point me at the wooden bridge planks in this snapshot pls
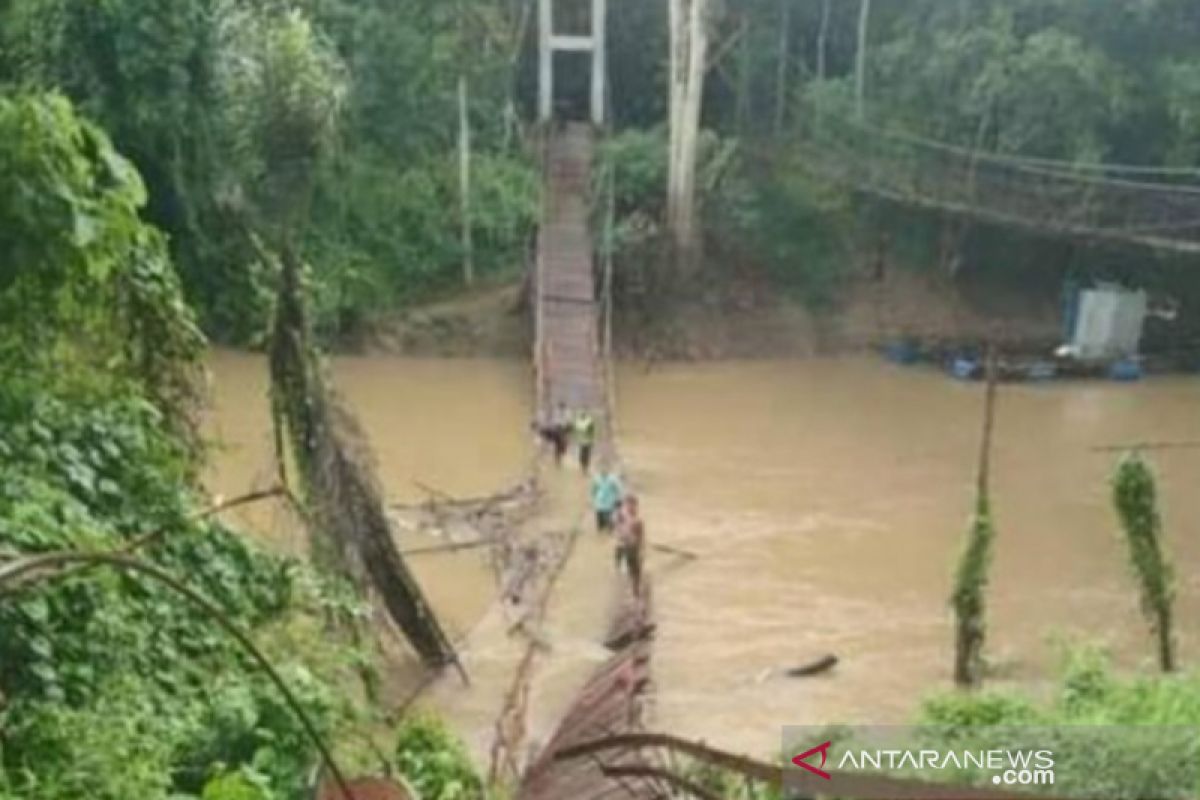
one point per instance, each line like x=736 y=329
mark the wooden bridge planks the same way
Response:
x=570 y=372
x=610 y=703
x=568 y=358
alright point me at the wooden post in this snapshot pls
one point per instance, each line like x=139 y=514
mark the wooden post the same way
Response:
x=599 y=58
x=545 y=60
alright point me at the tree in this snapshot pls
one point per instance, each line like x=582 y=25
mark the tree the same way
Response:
x=969 y=598
x=83 y=279
x=1136 y=502
x=860 y=62
x=689 y=27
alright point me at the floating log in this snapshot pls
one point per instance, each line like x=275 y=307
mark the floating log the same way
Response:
x=816 y=667
x=446 y=548
x=1121 y=448
x=674 y=551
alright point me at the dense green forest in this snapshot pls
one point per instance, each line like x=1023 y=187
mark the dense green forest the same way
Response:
x=157 y=157
x=1070 y=80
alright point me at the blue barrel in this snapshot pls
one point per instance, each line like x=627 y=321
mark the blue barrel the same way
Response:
x=1127 y=369
x=1041 y=371
x=901 y=352
x=964 y=368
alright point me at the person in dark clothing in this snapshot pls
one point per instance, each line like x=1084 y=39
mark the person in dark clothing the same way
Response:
x=631 y=539
x=556 y=432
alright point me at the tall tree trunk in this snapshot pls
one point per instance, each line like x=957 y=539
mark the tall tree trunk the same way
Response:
x=349 y=524
x=464 y=179
x=781 y=76
x=689 y=56
x=860 y=66
x=745 y=74
x=675 y=86
x=822 y=39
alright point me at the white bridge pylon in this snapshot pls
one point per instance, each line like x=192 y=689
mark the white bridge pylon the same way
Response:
x=550 y=43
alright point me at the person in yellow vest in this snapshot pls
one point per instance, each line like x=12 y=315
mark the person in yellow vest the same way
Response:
x=585 y=436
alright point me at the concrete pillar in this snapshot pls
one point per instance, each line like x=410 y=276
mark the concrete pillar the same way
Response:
x=599 y=59
x=545 y=60
x=549 y=44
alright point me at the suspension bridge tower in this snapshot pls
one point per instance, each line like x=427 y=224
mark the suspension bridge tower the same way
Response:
x=571 y=26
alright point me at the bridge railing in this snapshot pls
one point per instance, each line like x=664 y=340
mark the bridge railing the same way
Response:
x=1047 y=196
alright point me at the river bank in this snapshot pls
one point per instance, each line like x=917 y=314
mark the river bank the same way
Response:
x=742 y=318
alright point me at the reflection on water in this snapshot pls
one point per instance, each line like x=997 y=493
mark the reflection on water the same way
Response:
x=827 y=500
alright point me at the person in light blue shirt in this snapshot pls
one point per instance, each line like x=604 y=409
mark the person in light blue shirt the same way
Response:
x=607 y=493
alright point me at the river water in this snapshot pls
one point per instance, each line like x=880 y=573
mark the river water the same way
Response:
x=826 y=501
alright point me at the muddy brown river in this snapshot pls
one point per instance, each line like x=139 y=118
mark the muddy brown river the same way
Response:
x=826 y=501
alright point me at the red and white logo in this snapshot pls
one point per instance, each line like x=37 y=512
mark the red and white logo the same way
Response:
x=802 y=760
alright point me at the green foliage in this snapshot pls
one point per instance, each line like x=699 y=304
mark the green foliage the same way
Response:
x=729 y=785
x=1136 y=502
x=82 y=278
x=232 y=786
x=434 y=762
x=1092 y=757
x=969 y=596
x=111 y=686
x=799 y=228
x=282 y=88
x=223 y=106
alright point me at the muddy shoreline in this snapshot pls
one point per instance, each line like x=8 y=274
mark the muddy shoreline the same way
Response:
x=739 y=321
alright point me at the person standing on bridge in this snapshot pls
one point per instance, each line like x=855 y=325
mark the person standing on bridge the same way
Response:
x=607 y=493
x=585 y=435
x=555 y=431
x=631 y=540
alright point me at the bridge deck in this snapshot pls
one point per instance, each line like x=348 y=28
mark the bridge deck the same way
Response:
x=570 y=373
x=568 y=361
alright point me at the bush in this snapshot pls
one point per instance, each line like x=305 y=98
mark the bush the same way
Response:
x=434 y=761
x=1076 y=723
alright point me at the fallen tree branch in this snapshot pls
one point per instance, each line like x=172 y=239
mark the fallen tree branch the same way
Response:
x=13 y=570
x=213 y=510
x=448 y=500
x=841 y=785
x=675 y=551
x=1187 y=444
x=446 y=548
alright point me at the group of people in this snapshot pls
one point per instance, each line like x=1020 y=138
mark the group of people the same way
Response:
x=562 y=427
x=616 y=510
